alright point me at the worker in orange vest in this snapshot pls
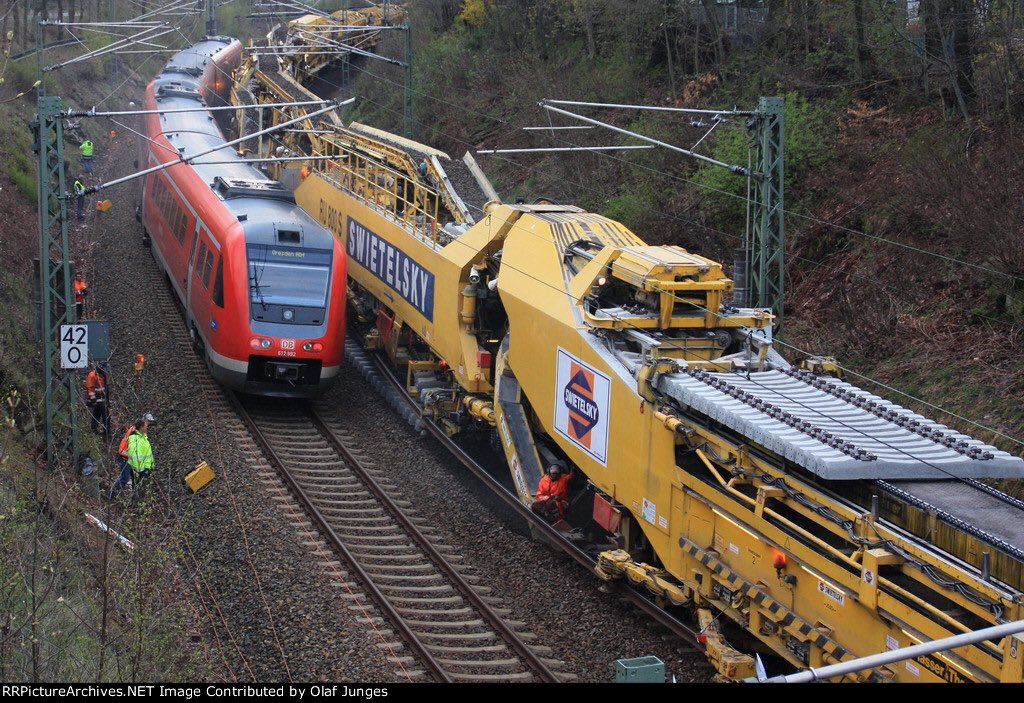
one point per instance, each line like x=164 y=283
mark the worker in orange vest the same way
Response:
x=96 y=400
x=81 y=290
x=552 y=497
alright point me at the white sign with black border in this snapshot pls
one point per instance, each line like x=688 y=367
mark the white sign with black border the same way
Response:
x=74 y=346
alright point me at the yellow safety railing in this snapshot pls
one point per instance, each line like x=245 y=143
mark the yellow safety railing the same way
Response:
x=398 y=195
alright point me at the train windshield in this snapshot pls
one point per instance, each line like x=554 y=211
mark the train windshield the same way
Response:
x=288 y=276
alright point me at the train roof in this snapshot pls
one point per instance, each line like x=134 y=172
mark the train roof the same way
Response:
x=194 y=59
x=262 y=204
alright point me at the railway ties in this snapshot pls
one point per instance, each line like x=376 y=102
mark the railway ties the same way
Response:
x=377 y=372
x=446 y=619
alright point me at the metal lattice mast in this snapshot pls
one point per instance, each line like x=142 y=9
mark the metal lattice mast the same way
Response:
x=211 y=18
x=57 y=305
x=409 y=117
x=767 y=255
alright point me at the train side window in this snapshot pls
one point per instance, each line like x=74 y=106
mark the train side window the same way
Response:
x=218 y=284
x=165 y=206
x=180 y=228
x=198 y=267
x=207 y=268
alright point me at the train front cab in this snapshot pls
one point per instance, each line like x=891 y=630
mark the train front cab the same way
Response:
x=295 y=304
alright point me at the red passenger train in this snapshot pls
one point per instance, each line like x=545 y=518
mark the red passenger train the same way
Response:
x=262 y=283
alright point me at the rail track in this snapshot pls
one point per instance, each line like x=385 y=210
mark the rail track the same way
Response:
x=447 y=619
x=382 y=376
x=455 y=631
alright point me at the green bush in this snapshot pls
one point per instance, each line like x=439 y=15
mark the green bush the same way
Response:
x=627 y=208
x=809 y=141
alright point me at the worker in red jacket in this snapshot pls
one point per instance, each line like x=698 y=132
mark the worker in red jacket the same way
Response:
x=552 y=497
x=96 y=400
x=81 y=290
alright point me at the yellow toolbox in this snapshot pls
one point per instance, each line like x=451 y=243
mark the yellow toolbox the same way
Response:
x=199 y=476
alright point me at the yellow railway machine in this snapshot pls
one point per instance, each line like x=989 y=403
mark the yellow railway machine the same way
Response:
x=313 y=41
x=824 y=521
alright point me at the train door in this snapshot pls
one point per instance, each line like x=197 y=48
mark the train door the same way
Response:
x=188 y=269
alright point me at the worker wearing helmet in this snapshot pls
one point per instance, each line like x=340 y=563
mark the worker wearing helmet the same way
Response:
x=138 y=455
x=81 y=290
x=79 y=188
x=552 y=497
x=97 y=401
x=87 y=150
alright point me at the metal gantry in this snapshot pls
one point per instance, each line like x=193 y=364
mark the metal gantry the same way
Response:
x=768 y=246
x=57 y=302
x=211 y=18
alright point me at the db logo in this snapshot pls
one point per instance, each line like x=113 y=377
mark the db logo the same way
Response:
x=287 y=343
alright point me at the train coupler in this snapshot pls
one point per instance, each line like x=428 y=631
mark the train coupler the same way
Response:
x=730 y=664
x=616 y=563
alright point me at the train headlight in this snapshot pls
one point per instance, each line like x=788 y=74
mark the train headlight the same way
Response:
x=288 y=315
x=259 y=343
x=313 y=347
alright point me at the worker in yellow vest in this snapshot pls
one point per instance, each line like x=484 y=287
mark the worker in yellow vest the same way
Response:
x=79 y=188
x=86 y=150
x=139 y=456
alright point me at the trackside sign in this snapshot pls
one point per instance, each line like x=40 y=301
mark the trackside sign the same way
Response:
x=581 y=405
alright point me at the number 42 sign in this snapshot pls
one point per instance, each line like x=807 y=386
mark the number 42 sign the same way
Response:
x=74 y=346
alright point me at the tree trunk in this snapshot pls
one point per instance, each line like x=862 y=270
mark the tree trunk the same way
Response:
x=588 y=23
x=668 y=51
x=696 y=45
x=711 y=10
x=26 y=38
x=3 y=36
x=863 y=52
x=948 y=42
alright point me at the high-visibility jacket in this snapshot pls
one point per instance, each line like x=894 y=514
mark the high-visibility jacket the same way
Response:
x=95 y=387
x=79 y=187
x=140 y=452
x=80 y=287
x=86 y=148
x=556 y=489
x=122 y=447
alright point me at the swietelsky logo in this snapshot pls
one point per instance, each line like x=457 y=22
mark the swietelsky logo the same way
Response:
x=578 y=396
x=581 y=405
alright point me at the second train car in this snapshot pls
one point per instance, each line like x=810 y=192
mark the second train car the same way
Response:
x=261 y=282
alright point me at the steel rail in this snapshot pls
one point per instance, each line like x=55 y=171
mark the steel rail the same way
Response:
x=339 y=546
x=496 y=621
x=661 y=616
